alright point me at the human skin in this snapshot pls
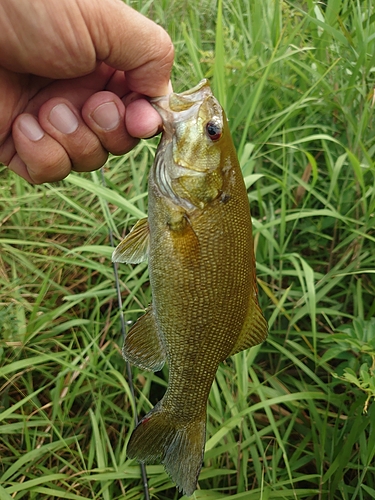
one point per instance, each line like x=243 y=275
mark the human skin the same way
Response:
x=74 y=75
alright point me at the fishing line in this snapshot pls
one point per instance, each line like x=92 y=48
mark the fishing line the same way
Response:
x=123 y=331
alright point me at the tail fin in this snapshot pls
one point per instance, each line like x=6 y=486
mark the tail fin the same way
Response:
x=180 y=447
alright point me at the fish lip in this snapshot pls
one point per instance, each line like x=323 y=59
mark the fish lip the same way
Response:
x=170 y=106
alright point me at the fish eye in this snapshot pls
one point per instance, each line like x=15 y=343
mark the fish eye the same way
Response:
x=214 y=131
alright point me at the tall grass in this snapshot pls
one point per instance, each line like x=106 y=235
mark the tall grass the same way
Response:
x=293 y=418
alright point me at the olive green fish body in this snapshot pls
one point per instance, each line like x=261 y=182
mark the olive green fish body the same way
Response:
x=199 y=245
x=201 y=296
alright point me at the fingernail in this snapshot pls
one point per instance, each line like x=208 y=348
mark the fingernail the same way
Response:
x=63 y=119
x=30 y=127
x=106 y=116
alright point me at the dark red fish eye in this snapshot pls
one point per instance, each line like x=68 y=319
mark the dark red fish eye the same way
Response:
x=214 y=131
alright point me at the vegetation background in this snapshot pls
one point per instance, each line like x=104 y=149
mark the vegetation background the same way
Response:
x=291 y=419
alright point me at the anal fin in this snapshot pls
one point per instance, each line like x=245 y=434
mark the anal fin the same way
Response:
x=143 y=345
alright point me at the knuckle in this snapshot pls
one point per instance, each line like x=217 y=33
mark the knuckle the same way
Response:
x=89 y=157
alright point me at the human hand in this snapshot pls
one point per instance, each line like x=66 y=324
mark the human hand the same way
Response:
x=71 y=81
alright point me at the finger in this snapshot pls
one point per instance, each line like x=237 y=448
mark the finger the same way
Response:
x=38 y=157
x=27 y=93
x=60 y=119
x=142 y=120
x=84 y=32
x=104 y=113
x=117 y=83
x=19 y=167
x=61 y=45
x=126 y=40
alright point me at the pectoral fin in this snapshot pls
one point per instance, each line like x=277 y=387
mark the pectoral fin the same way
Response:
x=143 y=345
x=134 y=247
x=254 y=330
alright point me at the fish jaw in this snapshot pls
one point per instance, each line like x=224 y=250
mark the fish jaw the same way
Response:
x=188 y=111
x=182 y=102
x=190 y=151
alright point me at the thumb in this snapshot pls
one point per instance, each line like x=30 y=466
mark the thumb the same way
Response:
x=126 y=40
x=63 y=39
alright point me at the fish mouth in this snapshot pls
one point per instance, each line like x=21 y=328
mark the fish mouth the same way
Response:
x=178 y=107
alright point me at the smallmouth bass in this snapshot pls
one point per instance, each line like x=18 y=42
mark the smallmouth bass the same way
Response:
x=198 y=242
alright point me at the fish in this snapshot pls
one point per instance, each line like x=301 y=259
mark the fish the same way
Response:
x=198 y=241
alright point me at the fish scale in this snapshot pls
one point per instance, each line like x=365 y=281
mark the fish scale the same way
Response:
x=199 y=246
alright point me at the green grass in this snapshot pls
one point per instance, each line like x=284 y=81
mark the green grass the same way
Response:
x=293 y=418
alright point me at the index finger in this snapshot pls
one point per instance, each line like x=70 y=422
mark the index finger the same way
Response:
x=126 y=40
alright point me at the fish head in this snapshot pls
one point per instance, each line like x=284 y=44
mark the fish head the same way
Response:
x=189 y=158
